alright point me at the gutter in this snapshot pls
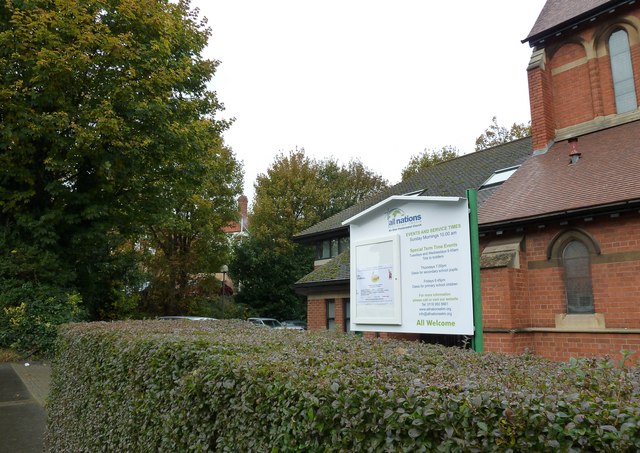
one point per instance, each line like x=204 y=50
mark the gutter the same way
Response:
x=602 y=209
x=312 y=237
x=309 y=288
x=573 y=23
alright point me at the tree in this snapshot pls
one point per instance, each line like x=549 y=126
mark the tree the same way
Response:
x=294 y=194
x=105 y=117
x=496 y=135
x=288 y=198
x=428 y=158
x=347 y=185
x=267 y=271
x=190 y=241
x=297 y=192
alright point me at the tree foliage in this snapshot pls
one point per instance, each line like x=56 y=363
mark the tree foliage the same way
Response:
x=267 y=269
x=288 y=197
x=298 y=191
x=347 y=185
x=428 y=158
x=295 y=193
x=107 y=131
x=496 y=135
x=190 y=240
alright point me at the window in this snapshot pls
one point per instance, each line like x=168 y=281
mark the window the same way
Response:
x=330 y=248
x=346 y=303
x=331 y=314
x=499 y=176
x=622 y=72
x=577 y=278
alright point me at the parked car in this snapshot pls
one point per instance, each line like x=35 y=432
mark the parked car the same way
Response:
x=192 y=318
x=268 y=322
x=295 y=324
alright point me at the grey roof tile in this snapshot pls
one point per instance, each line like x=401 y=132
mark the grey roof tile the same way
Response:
x=557 y=13
x=450 y=178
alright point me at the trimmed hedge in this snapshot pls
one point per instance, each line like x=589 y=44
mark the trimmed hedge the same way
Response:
x=230 y=386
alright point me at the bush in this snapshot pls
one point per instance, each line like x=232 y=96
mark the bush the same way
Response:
x=31 y=315
x=230 y=386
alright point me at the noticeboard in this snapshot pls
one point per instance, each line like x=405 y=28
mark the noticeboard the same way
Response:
x=411 y=267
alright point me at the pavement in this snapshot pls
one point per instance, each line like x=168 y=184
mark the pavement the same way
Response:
x=23 y=390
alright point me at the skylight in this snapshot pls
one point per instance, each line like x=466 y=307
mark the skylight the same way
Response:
x=499 y=176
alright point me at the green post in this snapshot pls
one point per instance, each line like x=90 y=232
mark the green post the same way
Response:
x=477 y=342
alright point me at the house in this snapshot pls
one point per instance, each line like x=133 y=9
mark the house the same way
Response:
x=559 y=212
x=238 y=228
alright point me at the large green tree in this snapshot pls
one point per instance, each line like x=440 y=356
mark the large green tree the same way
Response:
x=105 y=117
x=295 y=193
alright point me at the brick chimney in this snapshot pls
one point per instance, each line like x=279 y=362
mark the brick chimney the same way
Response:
x=243 y=203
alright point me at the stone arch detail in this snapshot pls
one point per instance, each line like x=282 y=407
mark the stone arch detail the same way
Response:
x=560 y=240
x=630 y=24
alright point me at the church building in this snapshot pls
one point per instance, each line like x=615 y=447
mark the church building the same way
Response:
x=559 y=212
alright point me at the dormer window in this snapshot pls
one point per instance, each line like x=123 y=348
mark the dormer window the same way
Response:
x=622 y=72
x=330 y=248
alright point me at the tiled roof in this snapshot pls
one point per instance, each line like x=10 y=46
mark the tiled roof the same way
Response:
x=450 y=178
x=608 y=172
x=557 y=13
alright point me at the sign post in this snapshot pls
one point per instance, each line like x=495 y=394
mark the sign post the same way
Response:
x=477 y=343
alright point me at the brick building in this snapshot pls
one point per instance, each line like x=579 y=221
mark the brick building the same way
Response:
x=559 y=212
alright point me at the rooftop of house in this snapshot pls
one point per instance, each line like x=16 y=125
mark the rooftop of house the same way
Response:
x=450 y=178
x=556 y=15
x=548 y=184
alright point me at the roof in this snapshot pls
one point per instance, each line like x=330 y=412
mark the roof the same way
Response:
x=559 y=14
x=394 y=199
x=451 y=178
x=336 y=269
x=547 y=184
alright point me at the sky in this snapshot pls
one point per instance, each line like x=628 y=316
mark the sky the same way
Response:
x=374 y=80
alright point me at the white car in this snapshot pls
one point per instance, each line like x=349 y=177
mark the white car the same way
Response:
x=268 y=322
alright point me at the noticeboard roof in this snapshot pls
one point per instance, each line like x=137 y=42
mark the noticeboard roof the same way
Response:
x=391 y=199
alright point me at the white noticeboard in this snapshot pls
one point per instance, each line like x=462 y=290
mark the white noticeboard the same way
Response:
x=377 y=266
x=411 y=267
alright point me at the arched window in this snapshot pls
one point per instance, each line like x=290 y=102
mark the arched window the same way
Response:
x=622 y=72
x=577 y=277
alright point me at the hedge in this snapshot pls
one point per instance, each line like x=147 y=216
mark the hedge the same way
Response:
x=230 y=386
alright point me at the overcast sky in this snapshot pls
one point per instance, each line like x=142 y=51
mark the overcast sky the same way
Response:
x=375 y=80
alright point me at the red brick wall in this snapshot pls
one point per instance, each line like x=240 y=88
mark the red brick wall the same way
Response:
x=573 y=86
x=562 y=347
x=316 y=314
x=530 y=297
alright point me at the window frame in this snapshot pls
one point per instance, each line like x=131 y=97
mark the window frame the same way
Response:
x=346 y=310
x=555 y=253
x=330 y=321
x=622 y=74
x=578 y=283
